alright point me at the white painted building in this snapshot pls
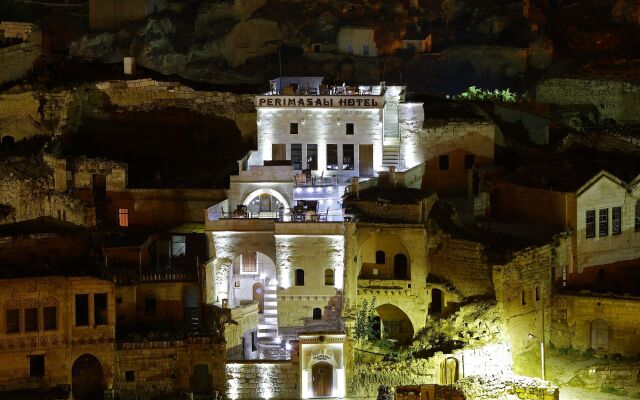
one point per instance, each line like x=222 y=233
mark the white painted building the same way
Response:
x=358 y=41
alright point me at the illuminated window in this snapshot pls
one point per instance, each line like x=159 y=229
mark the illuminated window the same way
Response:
x=293 y=128
x=469 y=161
x=50 y=318
x=12 y=321
x=299 y=277
x=123 y=217
x=332 y=156
x=317 y=313
x=616 y=220
x=30 y=319
x=603 y=222
x=347 y=157
x=590 y=223
x=328 y=277
x=443 y=163
x=350 y=128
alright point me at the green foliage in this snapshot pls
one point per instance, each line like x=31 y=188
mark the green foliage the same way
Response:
x=613 y=390
x=476 y=94
x=364 y=321
x=588 y=353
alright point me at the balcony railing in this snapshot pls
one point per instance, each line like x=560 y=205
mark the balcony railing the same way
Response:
x=131 y=275
x=286 y=215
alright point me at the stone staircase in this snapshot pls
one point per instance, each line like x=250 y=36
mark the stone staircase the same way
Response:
x=391 y=135
x=268 y=326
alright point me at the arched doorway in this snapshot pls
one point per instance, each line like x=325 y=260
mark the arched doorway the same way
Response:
x=599 y=335
x=258 y=296
x=267 y=201
x=395 y=324
x=449 y=371
x=8 y=142
x=87 y=380
x=322 y=379
x=436 y=301
x=400 y=267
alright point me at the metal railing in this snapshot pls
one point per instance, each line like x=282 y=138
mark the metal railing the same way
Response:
x=285 y=215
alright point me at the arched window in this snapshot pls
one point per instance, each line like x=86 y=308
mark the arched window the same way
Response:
x=317 y=313
x=400 y=267
x=299 y=277
x=329 y=277
x=380 y=257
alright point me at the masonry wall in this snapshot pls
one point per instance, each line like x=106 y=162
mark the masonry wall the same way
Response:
x=17 y=60
x=167 y=367
x=61 y=346
x=263 y=379
x=573 y=316
x=454 y=139
x=523 y=291
x=619 y=378
x=520 y=203
x=463 y=264
x=108 y=14
x=614 y=99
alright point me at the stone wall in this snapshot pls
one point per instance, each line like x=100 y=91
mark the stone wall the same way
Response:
x=262 y=379
x=364 y=379
x=573 y=317
x=17 y=112
x=615 y=378
x=523 y=291
x=166 y=367
x=17 y=60
x=463 y=264
x=488 y=62
x=613 y=99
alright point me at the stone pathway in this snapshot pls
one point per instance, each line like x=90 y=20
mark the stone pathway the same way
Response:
x=572 y=393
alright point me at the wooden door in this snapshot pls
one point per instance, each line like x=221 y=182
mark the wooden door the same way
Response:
x=258 y=296
x=201 y=379
x=87 y=378
x=322 y=378
x=278 y=151
x=366 y=160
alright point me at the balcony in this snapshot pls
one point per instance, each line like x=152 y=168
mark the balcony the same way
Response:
x=131 y=275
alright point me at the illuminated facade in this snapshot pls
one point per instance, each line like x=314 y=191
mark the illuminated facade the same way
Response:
x=278 y=240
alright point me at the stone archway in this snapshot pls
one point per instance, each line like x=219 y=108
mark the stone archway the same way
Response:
x=395 y=323
x=271 y=192
x=322 y=379
x=87 y=378
x=599 y=335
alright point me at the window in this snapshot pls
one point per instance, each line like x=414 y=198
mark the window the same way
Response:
x=616 y=220
x=603 y=222
x=444 y=163
x=350 y=128
x=123 y=217
x=100 y=309
x=332 y=156
x=523 y=298
x=178 y=246
x=150 y=307
x=299 y=277
x=317 y=313
x=347 y=157
x=469 y=161
x=36 y=366
x=249 y=263
x=316 y=47
x=349 y=48
x=329 y=277
x=296 y=156
x=637 y=215
x=365 y=49
x=590 y=223
x=12 y=321
x=30 y=319
x=312 y=157
x=537 y=293
x=380 y=257
x=82 y=310
x=293 y=128
x=129 y=376
x=50 y=318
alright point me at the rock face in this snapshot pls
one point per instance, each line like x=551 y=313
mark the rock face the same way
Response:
x=541 y=53
x=18 y=115
x=101 y=47
x=627 y=12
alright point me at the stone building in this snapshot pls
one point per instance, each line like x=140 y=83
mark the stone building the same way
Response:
x=358 y=41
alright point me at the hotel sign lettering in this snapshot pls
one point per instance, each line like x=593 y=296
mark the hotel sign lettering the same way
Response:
x=320 y=101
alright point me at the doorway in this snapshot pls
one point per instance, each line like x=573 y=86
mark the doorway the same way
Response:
x=400 y=266
x=87 y=381
x=366 y=160
x=436 y=301
x=201 y=379
x=322 y=379
x=599 y=335
x=258 y=296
